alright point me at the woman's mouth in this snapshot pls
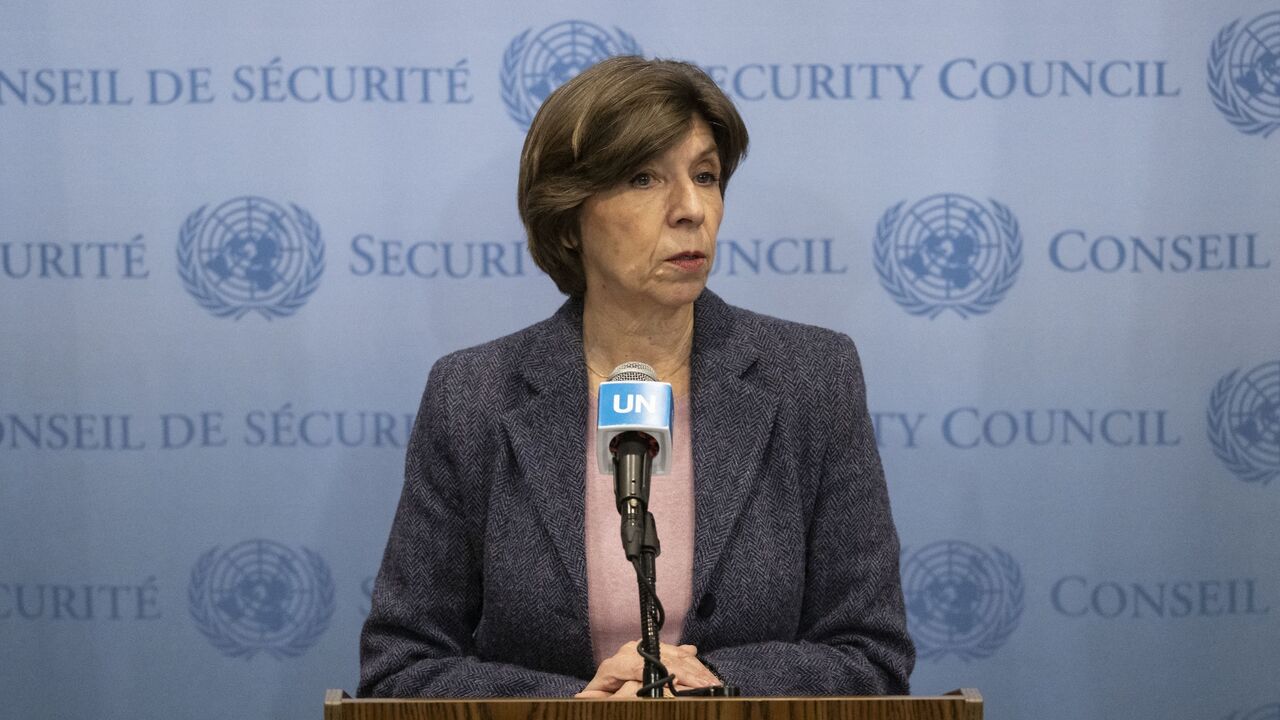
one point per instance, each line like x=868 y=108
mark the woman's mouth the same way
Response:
x=692 y=260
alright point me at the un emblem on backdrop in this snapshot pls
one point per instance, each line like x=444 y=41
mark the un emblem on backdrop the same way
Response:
x=533 y=67
x=948 y=252
x=250 y=254
x=1244 y=422
x=1244 y=74
x=260 y=596
x=960 y=599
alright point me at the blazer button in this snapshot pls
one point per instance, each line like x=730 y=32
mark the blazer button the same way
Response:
x=706 y=606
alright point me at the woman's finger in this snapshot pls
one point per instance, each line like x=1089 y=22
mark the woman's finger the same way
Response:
x=628 y=690
x=624 y=665
x=677 y=650
x=691 y=672
x=621 y=674
x=590 y=694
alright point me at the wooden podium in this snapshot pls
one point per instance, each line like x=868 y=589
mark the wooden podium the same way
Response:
x=957 y=705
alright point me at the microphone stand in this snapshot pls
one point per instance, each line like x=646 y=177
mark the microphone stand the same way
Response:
x=633 y=453
x=650 y=622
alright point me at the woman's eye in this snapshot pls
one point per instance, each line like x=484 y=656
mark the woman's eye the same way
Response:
x=642 y=180
x=707 y=178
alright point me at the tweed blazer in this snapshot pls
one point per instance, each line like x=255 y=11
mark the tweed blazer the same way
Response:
x=483 y=585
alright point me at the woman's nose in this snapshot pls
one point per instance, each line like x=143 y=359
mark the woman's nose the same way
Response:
x=686 y=203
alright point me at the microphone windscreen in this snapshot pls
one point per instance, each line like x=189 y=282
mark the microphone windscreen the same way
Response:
x=633 y=371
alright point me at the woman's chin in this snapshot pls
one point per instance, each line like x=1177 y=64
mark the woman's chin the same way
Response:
x=683 y=293
x=668 y=293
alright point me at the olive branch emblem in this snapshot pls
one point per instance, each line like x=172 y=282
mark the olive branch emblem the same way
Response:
x=514 y=97
x=1013 y=595
x=207 y=295
x=1223 y=92
x=1222 y=439
x=914 y=302
x=305 y=631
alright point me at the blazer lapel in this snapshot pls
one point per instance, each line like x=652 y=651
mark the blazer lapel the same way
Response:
x=732 y=420
x=547 y=436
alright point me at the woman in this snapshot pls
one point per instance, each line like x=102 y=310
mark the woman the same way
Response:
x=504 y=576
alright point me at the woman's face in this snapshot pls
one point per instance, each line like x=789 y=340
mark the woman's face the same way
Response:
x=652 y=238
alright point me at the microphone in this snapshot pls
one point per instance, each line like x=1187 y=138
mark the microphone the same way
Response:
x=633 y=440
x=632 y=400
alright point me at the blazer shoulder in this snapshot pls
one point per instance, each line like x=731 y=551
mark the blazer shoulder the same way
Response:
x=492 y=363
x=796 y=353
x=475 y=385
x=805 y=336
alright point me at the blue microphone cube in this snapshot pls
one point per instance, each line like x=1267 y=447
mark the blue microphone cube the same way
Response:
x=647 y=407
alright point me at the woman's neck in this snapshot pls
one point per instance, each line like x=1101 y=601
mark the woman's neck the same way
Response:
x=660 y=337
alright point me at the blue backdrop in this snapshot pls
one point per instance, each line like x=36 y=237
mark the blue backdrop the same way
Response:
x=234 y=238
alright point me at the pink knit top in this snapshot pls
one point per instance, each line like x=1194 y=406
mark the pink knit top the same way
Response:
x=613 y=600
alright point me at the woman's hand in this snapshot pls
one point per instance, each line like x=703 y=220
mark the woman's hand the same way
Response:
x=623 y=674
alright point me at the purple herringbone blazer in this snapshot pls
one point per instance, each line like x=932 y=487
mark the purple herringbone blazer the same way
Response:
x=483 y=587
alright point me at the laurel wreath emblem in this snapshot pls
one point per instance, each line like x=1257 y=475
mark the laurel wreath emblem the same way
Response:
x=1015 y=591
x=913 y=302
x=1220 y=436
x=1222 y=90
x=308 y=631
x=999 y=632
x=209 y=298
x=513 y=96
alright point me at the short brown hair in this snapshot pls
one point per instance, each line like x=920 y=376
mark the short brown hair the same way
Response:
x=597 y=130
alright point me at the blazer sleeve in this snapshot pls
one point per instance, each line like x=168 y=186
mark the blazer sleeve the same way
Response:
x=417 y=640
x=852 y=637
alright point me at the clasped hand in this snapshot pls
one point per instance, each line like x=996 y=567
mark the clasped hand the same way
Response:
x=622 y=674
